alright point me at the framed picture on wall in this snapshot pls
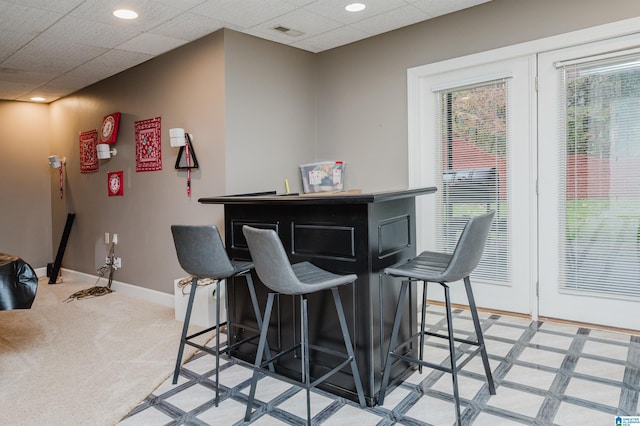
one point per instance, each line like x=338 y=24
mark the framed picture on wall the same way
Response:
x=115 y=183
x=148 y=145
x=88 y=153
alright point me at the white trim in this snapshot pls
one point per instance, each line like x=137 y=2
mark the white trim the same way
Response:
x=416 y=90
x=600 y=32
x=129 y=290
x=584 y=59
x=471 y=81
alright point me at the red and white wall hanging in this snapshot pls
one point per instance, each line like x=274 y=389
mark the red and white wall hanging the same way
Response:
x=148 y=145
x=88 y=153
x=115 y=183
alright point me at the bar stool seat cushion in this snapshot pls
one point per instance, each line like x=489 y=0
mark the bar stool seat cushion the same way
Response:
x=240 y=266
x=316 y=279
x=429 y=266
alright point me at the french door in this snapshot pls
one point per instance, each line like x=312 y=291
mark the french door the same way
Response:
x=589 y=183
x=469 y=135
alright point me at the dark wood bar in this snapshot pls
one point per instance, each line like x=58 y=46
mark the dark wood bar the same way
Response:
x=343 y=233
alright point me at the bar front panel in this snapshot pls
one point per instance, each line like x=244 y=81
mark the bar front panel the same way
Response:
x=360 y=238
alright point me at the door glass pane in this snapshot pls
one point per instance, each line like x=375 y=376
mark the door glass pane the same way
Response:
x=600 y=177
x=473 y=129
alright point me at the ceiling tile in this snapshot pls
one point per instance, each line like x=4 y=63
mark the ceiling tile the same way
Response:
x=244 y=13
x=394 y=19
x=29 y=77
x=152 y=44
x=60 y=6
x=181 y=4
x=188 y=26
x=89 y=32
x=122 y=59
x=151 y=14
x=334 y=9
x=106 y=65
x=10 y=42
x=26 y=20
x=300 y=20
x=48 y=92
x=441 y=7
x=47 y=55
x=338 y=37
x=14 y=90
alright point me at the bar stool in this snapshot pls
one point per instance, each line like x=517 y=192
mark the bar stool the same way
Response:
x=202 y=255
x=442 y=268
x=301 y=279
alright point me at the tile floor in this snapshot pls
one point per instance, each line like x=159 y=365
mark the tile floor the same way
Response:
x=546 y=374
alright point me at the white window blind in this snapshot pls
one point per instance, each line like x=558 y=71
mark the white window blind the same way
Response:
x=599 y=148
x=473 y=127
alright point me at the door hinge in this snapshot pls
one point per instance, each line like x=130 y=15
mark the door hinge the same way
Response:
x=537 y=288
x=536 y=82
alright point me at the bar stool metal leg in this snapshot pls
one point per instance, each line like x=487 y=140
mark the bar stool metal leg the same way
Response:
x=478 y=329
x=259 y=354
x=218 y=342
x=423 y=322
x=347 y=342
x=304 y=336
x=185 y=329
x=392 y=342
x=452 y=352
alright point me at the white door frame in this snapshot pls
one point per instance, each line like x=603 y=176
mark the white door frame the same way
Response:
x=554 y=302
x=417 y=128
x=521 y=165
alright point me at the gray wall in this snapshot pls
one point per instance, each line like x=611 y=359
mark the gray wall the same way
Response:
x=257 y=110
x=186 y=89
x=219 y=89
x=270 y=114
x=25 y=176
x=362 y=87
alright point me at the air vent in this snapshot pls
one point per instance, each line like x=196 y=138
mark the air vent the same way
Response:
x=288 y=31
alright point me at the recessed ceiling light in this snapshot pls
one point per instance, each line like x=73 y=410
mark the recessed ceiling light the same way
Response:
x=355 y=7
x=38 y=99
x=125 y=14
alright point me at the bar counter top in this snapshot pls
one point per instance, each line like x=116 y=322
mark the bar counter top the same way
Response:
x=344 y=197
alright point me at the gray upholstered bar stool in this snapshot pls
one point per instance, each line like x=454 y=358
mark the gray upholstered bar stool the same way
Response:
x=300 y=279
x=444 y=269
x=202 y=255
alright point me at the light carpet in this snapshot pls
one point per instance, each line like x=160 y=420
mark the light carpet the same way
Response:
x=85 y=362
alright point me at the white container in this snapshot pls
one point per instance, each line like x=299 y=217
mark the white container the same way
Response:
x=203 y=312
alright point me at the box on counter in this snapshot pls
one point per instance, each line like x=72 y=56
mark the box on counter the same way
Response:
x=325 y=176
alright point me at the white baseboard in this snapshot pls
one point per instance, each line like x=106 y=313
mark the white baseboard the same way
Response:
x=125 y=289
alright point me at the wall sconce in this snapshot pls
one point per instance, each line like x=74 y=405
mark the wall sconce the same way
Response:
x=55 y=162
x=176 y=137
x=105 y=151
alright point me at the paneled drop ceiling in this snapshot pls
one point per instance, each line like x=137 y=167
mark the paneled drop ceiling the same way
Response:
x=51 y=48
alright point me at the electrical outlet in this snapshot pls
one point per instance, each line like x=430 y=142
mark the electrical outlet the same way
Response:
x=115 y=239
x=106 y=238
x=107 y=261
x=117 y=262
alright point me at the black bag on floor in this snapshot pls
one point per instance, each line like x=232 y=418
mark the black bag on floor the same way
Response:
x=18 y=283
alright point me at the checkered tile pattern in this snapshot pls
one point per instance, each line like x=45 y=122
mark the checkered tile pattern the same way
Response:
x=546 y=374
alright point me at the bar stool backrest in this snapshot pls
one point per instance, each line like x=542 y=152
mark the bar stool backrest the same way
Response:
x=271 y=261
x=469 y=248
x=201 y=252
